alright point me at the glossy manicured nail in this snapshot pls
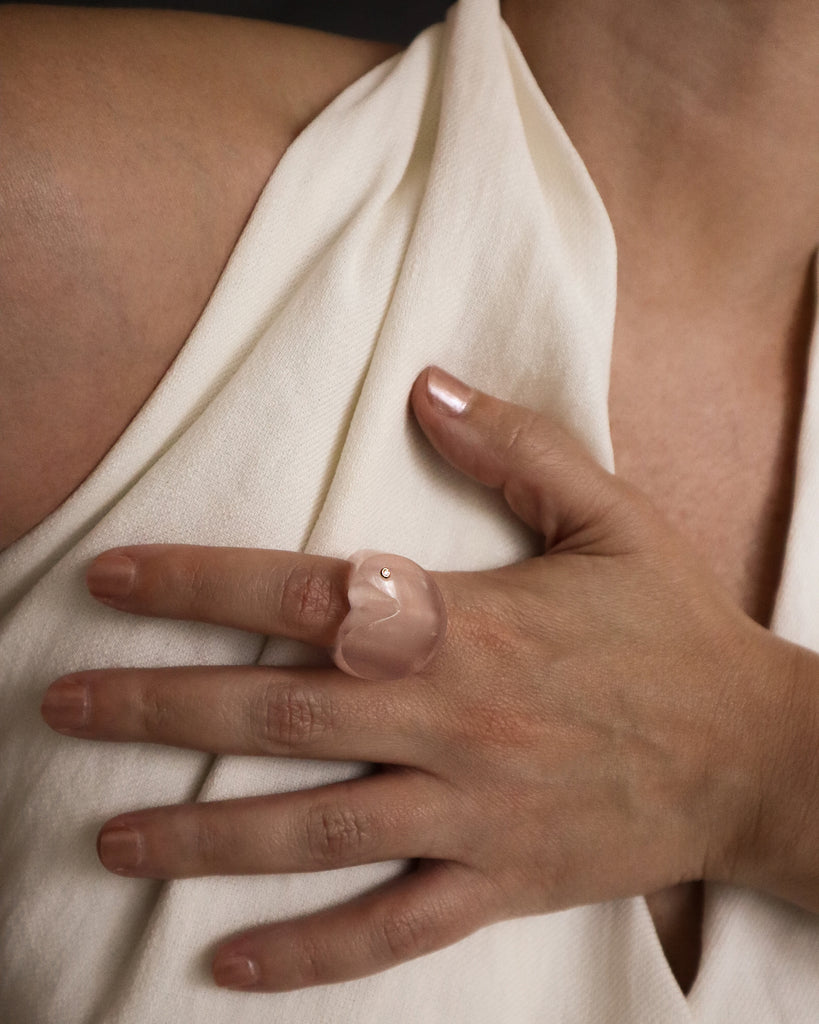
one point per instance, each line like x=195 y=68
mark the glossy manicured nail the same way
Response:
x=111 y=576
x=121 y=849
x=448 y=394
x=65 y=706
x=235 y=971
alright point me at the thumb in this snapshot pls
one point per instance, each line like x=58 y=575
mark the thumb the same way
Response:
x=548 y=478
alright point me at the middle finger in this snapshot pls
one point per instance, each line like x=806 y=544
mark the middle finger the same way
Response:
x=282 y=712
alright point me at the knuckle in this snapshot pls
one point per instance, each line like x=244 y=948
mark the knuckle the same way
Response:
x=501 y=735
x=294 y=716
x=502 y=728
x=189 y=577
x=207 y=843
x=492 y=648
x=336 y=836
x=483 y=632
x=528 y=437
x=519 y=437
x=312 y=962
x=307 y=600
x=405 y=934
x=156 y=709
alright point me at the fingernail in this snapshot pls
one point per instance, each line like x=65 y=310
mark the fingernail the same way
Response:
x=111 y=576
x=448 y=394
x=235 y=971
x=120 y=848
x=65 y=706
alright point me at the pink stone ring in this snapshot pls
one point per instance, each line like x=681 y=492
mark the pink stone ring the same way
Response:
x=397 y=618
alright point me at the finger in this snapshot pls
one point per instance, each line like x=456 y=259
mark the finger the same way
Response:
x=386 y=816
x=244 y=710
x=282 y=593
x=423 y=911
x=548 y=478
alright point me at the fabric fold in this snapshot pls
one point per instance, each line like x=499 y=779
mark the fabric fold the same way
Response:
x=436 y=211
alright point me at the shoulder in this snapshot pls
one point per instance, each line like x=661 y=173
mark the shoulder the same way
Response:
x=179 y=117
x=135 y=144
x=172 y=84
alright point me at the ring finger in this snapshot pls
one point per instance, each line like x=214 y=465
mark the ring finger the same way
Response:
x=280 y=712
x=386 y=816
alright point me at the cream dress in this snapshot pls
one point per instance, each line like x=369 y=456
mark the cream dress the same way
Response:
x=434 y=212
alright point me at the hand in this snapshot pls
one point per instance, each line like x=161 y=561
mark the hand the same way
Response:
x=582 y=735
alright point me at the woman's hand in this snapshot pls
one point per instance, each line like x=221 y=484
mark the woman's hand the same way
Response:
x=595 y=725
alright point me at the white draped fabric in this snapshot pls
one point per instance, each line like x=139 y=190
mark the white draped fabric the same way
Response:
x=434 y=212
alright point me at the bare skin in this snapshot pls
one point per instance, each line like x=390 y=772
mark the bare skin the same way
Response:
x=125 y=186
x=698 y=128
x=706 y=164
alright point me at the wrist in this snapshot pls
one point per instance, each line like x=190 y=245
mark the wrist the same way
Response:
x=774 y=846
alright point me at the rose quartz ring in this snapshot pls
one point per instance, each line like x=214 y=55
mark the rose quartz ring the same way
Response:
x=397 y=618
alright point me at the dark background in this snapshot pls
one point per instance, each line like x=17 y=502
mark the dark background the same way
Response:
x=386 y=20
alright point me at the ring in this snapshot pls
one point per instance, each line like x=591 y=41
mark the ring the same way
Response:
x=396 y=621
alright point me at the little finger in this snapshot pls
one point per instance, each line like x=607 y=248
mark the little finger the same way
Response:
x=438 y=903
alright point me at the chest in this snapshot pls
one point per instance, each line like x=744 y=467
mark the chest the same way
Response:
x=710 y=435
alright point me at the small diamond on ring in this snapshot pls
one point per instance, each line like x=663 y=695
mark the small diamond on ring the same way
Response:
x=385 y=572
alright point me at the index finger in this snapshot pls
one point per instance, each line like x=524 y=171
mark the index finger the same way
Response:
x=283 y=593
